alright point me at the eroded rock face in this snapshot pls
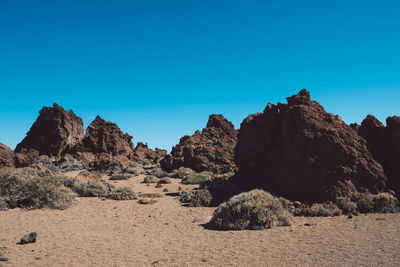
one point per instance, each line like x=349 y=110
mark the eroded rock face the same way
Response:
x=142 y=151
x=6 y=157
x=299 y=151
x=384 y=144
x=106 y=137
x=211 y=150
x=55 y=131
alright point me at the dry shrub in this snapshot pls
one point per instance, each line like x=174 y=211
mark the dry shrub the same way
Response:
x=147 y=201
x=251 y=210
x=150 y=179
x=195 y=178
x=87 y=189
x=346 y=205
x=365 y=202
x=32 y=189
x=123 y=193
x=117 y=177
x=186 y=197
x=165 y=180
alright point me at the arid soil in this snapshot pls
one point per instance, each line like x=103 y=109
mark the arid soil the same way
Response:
x=97 y=232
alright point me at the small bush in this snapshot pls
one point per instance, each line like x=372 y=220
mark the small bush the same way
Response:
x=123 y=193
x=319 y=210
x=365 y=202
x=186 y=197
x=346 y=205
x=195 y=178
x=251 y=210
x=31 y=153
x=120 y=177
x=165 y=180
x=87 y=189
x=150 y=179
x=385 y=202
x=147 y=201
x=25 y=188
x=159 y=173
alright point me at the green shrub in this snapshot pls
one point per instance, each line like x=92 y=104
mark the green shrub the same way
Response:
x=31 y=153
x=251 y=210
x=150 y=179
x=195 y=178
x=365 y=202
x=346 y=205
x=123 y=193
x=26 y=188
x=165 y=180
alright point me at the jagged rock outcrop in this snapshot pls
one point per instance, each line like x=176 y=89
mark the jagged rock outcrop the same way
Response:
x=106 y=137
x=142 y=151
x=211 y=150
x=384 y=144
x=56 y=131
x=6 y=157
x=299 y=151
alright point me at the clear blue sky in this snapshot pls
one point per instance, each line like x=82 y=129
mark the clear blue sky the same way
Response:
x=159 y=68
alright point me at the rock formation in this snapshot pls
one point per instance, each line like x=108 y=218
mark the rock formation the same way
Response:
x=384 y=144
x=142 y=151
x=56 y=131
x=6 y=157
x=211 y=150
x=299 y=151
x=106 y=137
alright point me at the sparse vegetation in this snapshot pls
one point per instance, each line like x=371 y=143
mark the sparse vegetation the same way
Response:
x=165 y=180
x=195 y=178
x=31 y=189
x=365 y=202
x=147 y=201
x=319 y=210
x=31 y=153
x=87 y=189
x=123 y=193
x=186 y=197
x=150 y=179
x=159 y=173
x=385 y=202
x=251 y=210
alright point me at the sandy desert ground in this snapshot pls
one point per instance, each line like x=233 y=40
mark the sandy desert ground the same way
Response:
x=97 y=232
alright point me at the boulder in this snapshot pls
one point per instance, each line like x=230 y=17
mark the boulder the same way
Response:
x=209 y=150
x=384 y=144
x=299 y=151
x=6 y=157
x=106 y=137
x=55 y=131
x=31 y=238
x=201 y=198
x=21 y=160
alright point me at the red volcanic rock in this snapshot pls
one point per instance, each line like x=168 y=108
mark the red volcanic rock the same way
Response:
x=299 y=151
x=211 y=150
x=384 y=144
x=143 y=152
x=106 y=137
x=105 y=161
x=56 y=131
x=21 y=160
x=6 y=157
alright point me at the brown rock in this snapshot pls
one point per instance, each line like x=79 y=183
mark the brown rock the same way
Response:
x=384 y=144
x=143 y=152
x=105 y=161
x=211 y=150
x=21 y=160
x=6 y=157
x=201 y=198
x=56 y=131
x=299 y=151
x=106 y=137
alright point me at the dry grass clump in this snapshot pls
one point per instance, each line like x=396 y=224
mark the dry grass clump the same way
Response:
x=123 y=193
x=251 y=210
x=30 y=153
x=33 y=189
x=186 y=197
x=150 y=179
x=324 y=210
x=382 y=202
x=365 y=202
x=147 y=201
x=195 y=178
x=165 y=180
